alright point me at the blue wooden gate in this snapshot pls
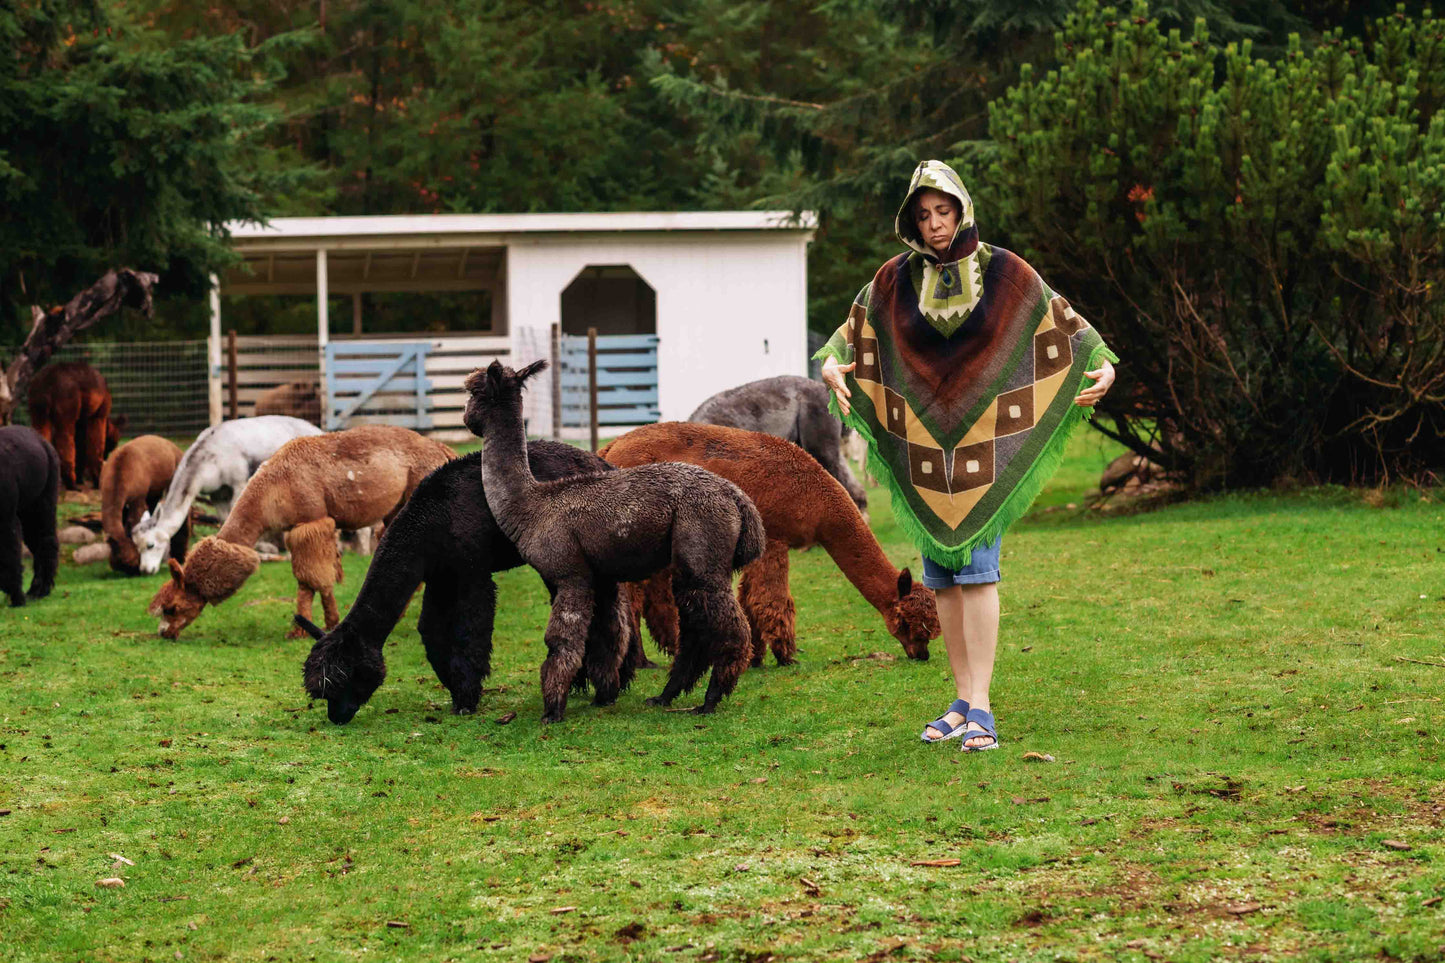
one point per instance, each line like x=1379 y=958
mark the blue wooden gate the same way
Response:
x=626 y=380
x=390 y=374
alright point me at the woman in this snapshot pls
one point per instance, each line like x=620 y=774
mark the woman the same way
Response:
x=966 y=374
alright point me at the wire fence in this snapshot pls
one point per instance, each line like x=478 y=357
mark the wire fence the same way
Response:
x=160 y=386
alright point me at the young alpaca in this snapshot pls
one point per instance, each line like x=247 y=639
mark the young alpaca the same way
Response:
x=621 y=526
x=221 y=460
x=447 y=538
x=29 y=490
x=801 y=505
x=131 y=482
x=311 y=487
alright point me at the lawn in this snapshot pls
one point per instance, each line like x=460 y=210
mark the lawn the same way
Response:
x=1245 y=766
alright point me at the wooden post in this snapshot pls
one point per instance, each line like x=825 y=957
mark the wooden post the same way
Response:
x=592 y=384
x=213 y=355
x=556 y=382
x=231 y=365
x=356 y=313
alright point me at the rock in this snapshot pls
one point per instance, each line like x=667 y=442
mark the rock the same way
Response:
x=87 y=554
x=76 y=535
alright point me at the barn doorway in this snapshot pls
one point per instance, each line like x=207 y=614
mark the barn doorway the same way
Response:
x=613 y=298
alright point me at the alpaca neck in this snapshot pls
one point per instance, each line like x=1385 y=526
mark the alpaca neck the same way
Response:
x=397 y=568
x=171 y=513
x=847 y=539
x=506 y=475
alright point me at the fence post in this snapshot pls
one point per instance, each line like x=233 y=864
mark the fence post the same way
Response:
x=556 y=382
x=592 y=384
x=231 y=364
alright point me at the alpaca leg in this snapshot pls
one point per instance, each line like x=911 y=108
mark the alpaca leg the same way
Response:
x=437 y=626
x=64 y=440
x=715 y=612
x=636 y=654
x=304 y=596
x=37 y=524
x=768 y=605
x=695 y=639
x=566 y=645
x=12 y=569
x=456 y=627
x=607 y=642
x=661 y=612
x=93 y=440
x=313 y=562
x=329 y=607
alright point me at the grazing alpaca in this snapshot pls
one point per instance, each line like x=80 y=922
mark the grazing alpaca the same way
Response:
x=29 y=490
x=801 y=506
x=131 y=483
x=447 y=538
x=311 y=487
x=221 y=460
x=620 y=526
x=298 y=399
x=70 y=408
x=791 y=408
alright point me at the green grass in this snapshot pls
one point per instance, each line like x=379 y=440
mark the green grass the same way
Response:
x=1218 y=681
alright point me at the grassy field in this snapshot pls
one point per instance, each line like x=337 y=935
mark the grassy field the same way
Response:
x=1247 y=767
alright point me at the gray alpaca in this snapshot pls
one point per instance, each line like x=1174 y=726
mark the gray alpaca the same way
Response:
x=788 y=407
x=621 y=526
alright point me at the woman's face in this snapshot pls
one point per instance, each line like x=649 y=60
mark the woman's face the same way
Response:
x=936 y=214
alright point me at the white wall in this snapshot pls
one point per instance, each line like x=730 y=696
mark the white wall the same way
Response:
x=731 y=306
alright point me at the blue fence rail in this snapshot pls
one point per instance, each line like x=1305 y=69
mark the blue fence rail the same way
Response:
x=626 y=380
x=390 y=376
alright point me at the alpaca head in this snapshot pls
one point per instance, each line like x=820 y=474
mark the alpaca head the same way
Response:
x=341 y=670
x=212 y=573
x=495 y=388
x=123 y=555
x=913 y=619
x=150 y=544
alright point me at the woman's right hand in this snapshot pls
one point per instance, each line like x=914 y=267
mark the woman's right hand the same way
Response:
x=833 y=373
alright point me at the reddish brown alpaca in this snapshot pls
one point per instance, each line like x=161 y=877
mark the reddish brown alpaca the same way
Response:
x=70 y=408
x=131 y=483
x=801 y=505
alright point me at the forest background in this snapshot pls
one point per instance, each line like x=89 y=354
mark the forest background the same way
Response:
x=1243 y=195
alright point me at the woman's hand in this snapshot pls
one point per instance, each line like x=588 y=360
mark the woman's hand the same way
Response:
x=833 y=373
x=1103 y=377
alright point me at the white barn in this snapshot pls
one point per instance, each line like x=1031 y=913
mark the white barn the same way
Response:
x=723 y=292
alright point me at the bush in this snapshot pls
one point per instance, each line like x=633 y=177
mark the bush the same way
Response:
x=1259 y=241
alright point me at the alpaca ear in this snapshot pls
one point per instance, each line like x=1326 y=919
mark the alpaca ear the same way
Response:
x=905 y=583
x=495 y=371
x=475 y=380
x=531 y=369
x=310 y=627
x=145 y=518
x=177 y=573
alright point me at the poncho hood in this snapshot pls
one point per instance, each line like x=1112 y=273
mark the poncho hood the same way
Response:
x=966 y=371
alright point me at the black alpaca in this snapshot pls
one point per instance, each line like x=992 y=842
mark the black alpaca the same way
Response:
x=446 y=537
x=619 y=526
x=29 y=488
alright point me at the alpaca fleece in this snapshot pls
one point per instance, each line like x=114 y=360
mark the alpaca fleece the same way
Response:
x=70 y=408
x=219 y=463
x=348 y=479
x=298 y=399
x=131 y=483
x=791 y=408
x=29 y=490
x=447 y=538
x=622 y=526
x=801 y=505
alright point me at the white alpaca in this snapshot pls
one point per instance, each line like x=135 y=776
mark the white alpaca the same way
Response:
x=222 y=456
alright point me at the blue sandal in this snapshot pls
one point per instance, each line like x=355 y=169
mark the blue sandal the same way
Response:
x=984 y=719
x=941 y=724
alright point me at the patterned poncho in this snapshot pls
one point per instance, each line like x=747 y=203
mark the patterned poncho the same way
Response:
x=968 y=367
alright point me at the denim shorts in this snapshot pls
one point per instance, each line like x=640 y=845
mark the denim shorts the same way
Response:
x=982 y=568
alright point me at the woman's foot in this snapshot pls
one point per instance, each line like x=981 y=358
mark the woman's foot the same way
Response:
x=947 y=726
x=981 y=731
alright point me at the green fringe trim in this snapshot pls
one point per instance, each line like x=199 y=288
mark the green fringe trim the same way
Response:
x=1013 y=508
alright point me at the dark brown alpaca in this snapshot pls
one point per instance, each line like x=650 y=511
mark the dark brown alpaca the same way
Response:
x=70 y=408
x=801 y=505
x=618 y=527
x=132 y=483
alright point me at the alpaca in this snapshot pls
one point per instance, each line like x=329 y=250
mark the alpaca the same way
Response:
x=131 y=483
x=70 y=408
x=447 y=538
x=29 y=491
x=299 y=399
x=220 y=461
x=801 y=505
x=311 y=487
x=794 y=409
x=620 y=526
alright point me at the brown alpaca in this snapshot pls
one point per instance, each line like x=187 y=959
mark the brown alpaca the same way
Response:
x=299 y=399
x=311 y=487
x=132 y=483
x=801 y=505
x=70 y=407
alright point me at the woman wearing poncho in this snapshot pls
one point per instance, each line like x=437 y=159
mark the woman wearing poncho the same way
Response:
x=966 y=374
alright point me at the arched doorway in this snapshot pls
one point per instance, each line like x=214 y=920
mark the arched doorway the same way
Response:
x=613 y=298
x=614 y=301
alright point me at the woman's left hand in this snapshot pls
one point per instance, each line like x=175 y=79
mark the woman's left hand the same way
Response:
x=1103 y=377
